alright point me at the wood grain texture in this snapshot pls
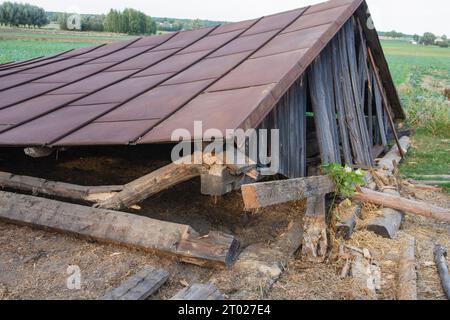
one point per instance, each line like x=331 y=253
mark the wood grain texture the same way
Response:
x=199 y=292
x=120 y=228
x=260 y=195
x=440 y=255
x=407 y=273
x=140 y=286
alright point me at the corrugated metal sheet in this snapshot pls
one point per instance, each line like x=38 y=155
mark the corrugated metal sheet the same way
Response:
x=139 y=91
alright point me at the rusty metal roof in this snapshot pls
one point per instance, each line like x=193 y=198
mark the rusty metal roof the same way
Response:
x=139 y=91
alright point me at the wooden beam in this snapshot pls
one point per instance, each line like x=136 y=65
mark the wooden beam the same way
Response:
x=57 y=189
x=315 y=241
x=404 y=205
x=146 y=186
x=393 y=156
x=407 y=274
x=430 y=183
x=260 y=195
x=199 y=292
x=440 y=255
x=139 y=286
x=119 y=228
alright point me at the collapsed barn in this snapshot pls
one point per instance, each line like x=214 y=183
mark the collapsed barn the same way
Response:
x=318 y=74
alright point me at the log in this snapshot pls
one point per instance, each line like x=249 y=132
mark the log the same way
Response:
x=119 y=228
x=433 y=177
x=430 y=183
x=440 y=255
x=389 y=223
x=199 y=292
x=56 y=189
x=404 y=205
x=139 y=286
x=347 y=225
x=146 y=186
x=387 y=163
x=407 y=275
x=260 y=195
x=315 y=242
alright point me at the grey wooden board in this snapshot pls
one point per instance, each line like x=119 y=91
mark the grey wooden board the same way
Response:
x=139 y=286
x=388 y=225
x=199 y=292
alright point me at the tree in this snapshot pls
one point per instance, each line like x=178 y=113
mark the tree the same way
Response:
x=428 y=38
x=129 y=21
x=18 y=14
x=416 y=38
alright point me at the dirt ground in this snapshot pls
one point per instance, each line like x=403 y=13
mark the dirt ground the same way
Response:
x=33 y=263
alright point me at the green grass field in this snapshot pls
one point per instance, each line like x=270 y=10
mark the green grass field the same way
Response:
x=421 y=74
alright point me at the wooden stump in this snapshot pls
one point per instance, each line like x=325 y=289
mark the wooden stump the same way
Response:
x=315 y=242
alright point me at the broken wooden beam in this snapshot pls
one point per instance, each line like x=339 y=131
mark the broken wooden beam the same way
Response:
x=119 y=228
x=56 y=189
x=148 y=185
x=440 y=255
x=260 y=195
x=388 y=224
x=315 y=241
x=404 y=205
x=393 y=156
x=407 y=274
x=199 y=292
x=139 y=286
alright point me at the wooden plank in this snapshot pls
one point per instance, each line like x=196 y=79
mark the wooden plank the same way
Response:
x=407 y=274
x=146 y=186
x=56 y=189
x=404 y=205
x=440 y=255
x=315 y=241
x=393 y=156
x=119 y=228
x=199 y=292
x=260 y=195
x=430 y=183
x=139 y=286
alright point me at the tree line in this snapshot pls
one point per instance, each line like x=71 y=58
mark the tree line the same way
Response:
x=129 y=21
x=22 y=15
x=429 y=38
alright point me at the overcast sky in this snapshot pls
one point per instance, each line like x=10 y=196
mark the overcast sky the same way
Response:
x=408 y=16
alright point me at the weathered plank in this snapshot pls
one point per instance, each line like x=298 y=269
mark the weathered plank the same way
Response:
x=119 y=228
x=393 y=156
x=259 y=195
x=55 y=188
x=199 y=292
x=440 y=255
x=404 y=205
x=407 y=274
x=146 y=186
x=315 y=242
x=139 y=286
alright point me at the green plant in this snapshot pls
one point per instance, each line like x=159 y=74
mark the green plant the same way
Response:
x=345 y=178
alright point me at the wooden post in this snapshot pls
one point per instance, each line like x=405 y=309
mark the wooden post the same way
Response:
x=440 y=255
x=315 y=242
x=407 y=274
x=199 y=292
x=120 y=228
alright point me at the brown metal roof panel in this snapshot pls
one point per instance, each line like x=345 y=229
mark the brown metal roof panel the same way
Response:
x=332 y=4
x=26 y=91
x=292 y=41
x=208 y=68
x=259 y=71
x=173 y=64
x=120 y=55
x=185 y=38
x=56 y=66
x=92 y=83
x=123 y=90
x=233 y=26
x=74 y=74
x=157 y=103
x=15 y=79
x=106 y=133
x=316 y=19
x=47 y=128
x=30 y=109
x=211 y=42
x=220 y=110
x=151 y=41
x=242 y=44
x=274 y=22
x=105 y=49
x=143 y=60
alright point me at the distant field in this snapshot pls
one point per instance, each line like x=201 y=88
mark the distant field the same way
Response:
x=22 y=44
